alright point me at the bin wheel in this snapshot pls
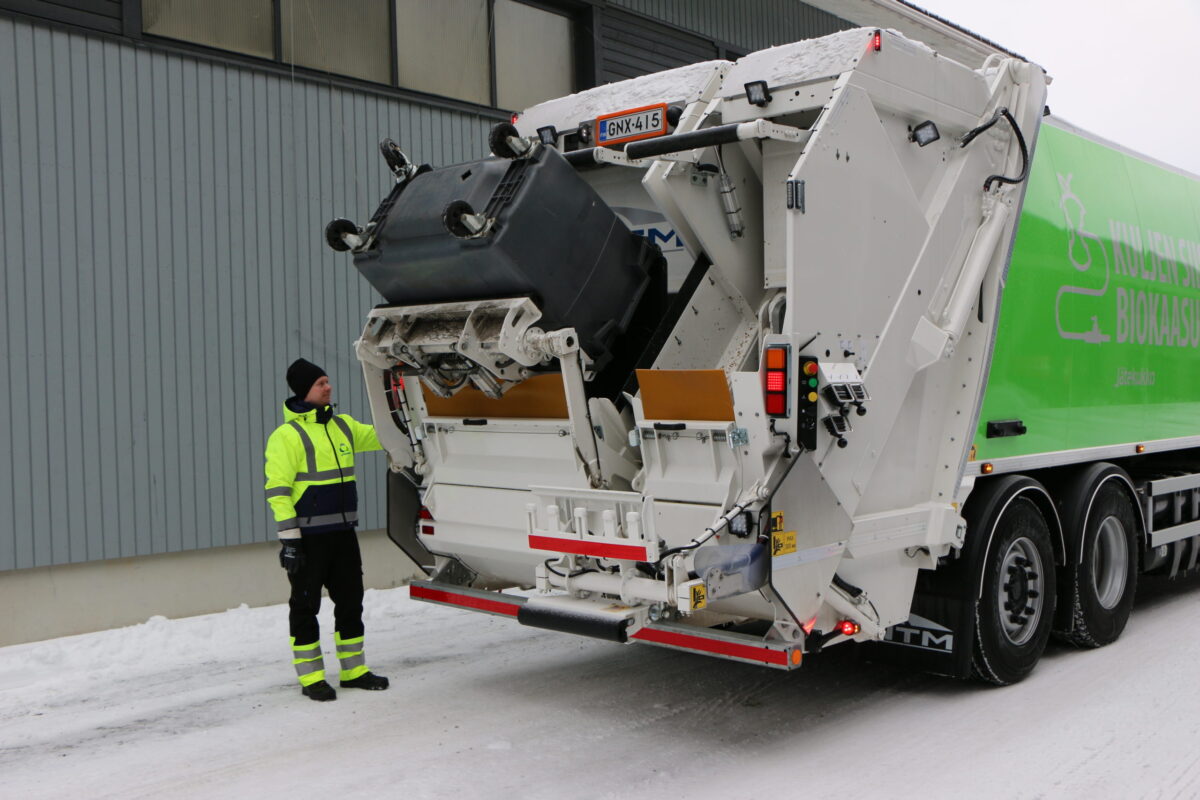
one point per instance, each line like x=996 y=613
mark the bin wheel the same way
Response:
x=498 y=139
x=452 y=218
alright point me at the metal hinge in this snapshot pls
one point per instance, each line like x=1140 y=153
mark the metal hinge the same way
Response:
x=795 y=196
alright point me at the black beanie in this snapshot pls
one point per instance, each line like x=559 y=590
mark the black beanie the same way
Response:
x=301 y=375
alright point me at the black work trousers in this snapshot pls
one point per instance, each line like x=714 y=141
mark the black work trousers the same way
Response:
x=331 y=560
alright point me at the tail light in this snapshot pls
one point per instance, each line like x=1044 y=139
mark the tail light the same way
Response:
x=848 y=627
x=776 y=359
x=426 y=521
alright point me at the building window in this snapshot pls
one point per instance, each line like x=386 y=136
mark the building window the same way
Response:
x=338 y=37
x=511 y=54
x=535 y=55
x=442 y=48
x=244 y=26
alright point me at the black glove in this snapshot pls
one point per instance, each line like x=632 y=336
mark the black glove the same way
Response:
x=291 y=556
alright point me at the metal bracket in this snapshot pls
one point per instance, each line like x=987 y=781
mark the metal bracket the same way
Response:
x=452 y=571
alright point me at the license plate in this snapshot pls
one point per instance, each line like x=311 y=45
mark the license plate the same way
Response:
x=631 y=125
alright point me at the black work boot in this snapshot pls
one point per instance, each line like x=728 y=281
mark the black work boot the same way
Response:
x=320 y=691
x=368 y=680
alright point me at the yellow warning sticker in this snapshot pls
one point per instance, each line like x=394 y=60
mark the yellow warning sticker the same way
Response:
x=782 y=543
x=776 y=521
x=699 y=597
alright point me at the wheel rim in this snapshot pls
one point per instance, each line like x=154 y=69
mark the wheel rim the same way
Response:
x=1020 y=597
x=1110 y=562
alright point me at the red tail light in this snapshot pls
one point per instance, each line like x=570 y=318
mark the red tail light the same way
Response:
x=775 y=379
x=426 y=515
x=848 y=627
x=877 y=41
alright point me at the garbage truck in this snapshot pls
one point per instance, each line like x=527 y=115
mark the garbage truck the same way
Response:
x=840 y=341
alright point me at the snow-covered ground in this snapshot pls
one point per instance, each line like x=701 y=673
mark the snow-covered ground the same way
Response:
x=483 y=708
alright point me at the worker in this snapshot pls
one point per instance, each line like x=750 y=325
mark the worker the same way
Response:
x=311 y=490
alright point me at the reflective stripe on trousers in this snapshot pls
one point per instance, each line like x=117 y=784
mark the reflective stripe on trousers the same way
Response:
x=309 y=662
x=352 y=659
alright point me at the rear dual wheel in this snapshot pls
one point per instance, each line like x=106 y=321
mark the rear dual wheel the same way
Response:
x=1100 y=580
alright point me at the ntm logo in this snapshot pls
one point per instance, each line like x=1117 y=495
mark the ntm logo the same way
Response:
x=921 y=633
x=667 y=240
x=652 y=226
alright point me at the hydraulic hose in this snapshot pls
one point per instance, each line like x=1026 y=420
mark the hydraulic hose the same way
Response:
x=970 y=137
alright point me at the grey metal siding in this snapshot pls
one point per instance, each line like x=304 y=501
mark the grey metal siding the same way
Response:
x=747 y=24
x=161 y=221
x=632 y=45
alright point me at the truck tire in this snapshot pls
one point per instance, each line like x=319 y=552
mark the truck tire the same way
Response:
x=1015 y=609
x=1100 y=578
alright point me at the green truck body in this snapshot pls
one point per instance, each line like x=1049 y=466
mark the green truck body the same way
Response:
x=1099 y=324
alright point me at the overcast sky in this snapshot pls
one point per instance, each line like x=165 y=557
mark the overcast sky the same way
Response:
x=1127 y=70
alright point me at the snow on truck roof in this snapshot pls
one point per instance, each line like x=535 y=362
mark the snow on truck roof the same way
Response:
x=679 y=85
x=793 y=62
x=808 y=60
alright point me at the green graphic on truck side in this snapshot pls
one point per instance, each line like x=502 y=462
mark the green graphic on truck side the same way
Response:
x=1098 y=340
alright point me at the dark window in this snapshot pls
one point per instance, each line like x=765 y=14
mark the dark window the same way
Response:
x=509 y=54
x=442 y=48
x=339 y=37
x=535 y=54
x=243 y=26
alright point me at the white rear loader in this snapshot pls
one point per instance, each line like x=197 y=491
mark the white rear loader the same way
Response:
x=747 y=432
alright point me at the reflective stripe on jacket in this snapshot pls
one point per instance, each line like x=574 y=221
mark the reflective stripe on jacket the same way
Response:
x=310 y=470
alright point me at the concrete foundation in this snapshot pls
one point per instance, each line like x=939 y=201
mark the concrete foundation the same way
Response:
x=48 y=602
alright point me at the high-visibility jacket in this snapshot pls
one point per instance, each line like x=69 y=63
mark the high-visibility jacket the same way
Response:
x=310 y=469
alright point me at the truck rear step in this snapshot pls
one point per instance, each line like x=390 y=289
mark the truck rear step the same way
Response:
x=722 y=644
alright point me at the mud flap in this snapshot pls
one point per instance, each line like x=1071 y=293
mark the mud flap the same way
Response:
x=938 y=635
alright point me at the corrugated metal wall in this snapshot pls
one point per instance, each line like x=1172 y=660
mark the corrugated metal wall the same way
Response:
x=748 y=24
x=631 y=45
x=161 y=219
x=161 y=223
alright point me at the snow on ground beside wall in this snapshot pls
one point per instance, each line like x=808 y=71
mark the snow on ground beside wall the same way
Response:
x=481 y=707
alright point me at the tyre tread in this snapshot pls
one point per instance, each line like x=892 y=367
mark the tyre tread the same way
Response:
x=1081 y=635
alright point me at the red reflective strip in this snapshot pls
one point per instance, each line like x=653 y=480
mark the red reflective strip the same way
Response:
x=689 y=642
x=582 y=547
x=466 y=601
